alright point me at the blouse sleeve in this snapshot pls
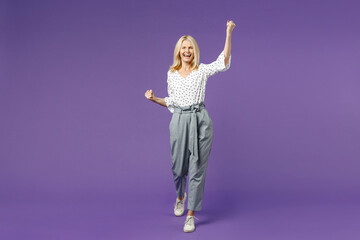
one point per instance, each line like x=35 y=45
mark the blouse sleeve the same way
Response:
x=217 y=66
x=170 y=99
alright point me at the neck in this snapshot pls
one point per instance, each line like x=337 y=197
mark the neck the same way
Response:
x=186 y=66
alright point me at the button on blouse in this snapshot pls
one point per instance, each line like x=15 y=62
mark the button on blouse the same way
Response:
x=191 y=90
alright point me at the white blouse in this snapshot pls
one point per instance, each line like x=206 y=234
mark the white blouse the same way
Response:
x=191 y=90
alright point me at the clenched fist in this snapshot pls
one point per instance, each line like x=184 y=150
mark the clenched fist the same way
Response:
x=149 y=94
x=230 y=26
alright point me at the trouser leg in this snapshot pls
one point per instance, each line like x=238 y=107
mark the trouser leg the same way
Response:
x=179 y=151
x=197 y=168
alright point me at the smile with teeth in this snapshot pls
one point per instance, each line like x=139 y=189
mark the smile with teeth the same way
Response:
x=187 y=55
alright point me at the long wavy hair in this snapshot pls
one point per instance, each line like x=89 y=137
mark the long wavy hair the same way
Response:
x=177 y=58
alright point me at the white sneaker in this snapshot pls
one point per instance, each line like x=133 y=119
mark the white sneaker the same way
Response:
x=190 y=224
x=179 y=206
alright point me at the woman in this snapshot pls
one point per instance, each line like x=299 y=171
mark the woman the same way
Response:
x=191 y=130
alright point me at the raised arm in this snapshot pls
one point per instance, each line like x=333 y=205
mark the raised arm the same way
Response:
x=227 y=49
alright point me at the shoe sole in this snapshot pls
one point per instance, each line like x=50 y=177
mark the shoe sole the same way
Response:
x=179 y=215
x=189 y=231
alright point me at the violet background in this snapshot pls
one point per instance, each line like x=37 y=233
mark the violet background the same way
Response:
x=84 y=155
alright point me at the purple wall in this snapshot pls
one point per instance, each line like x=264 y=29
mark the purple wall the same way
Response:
x=75 y=124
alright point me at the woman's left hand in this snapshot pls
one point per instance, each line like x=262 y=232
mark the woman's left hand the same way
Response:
x=230 y=26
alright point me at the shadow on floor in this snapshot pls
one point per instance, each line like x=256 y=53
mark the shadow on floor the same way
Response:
x=219 y=206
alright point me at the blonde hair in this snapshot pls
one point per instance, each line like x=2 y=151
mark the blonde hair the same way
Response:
x=177 y=59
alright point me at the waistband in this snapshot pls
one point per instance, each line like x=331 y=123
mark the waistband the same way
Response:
x=190 y=109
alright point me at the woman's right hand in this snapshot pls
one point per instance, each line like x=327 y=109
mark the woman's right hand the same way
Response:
x=150 y=95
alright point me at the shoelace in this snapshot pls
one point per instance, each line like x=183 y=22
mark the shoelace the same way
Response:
x=188 y=219
x=179 y=202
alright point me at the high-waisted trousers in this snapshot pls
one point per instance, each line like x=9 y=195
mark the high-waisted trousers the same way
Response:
x=191 y=137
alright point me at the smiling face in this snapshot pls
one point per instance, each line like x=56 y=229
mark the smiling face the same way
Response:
x=187 y=51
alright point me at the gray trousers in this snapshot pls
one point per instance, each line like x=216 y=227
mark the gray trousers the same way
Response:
x=191 y=136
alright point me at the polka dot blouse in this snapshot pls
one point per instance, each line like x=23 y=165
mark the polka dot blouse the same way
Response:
x=191 y=90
